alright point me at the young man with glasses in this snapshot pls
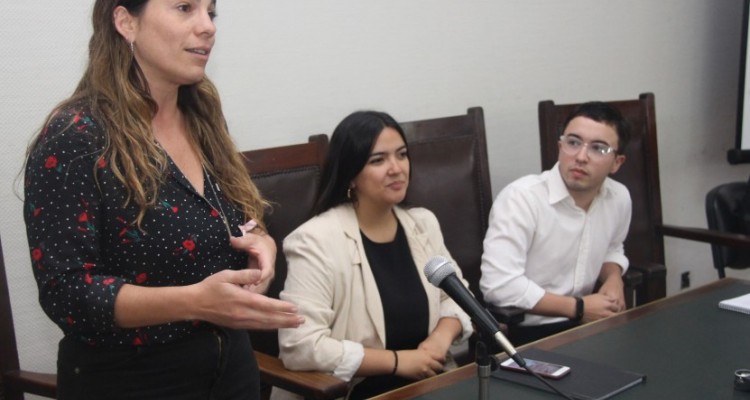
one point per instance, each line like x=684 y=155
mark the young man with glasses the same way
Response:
x=554 y=237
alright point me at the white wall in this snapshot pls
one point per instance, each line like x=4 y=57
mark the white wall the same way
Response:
x=287 y=69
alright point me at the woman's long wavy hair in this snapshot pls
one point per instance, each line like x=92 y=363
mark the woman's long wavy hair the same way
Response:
x=117 y=92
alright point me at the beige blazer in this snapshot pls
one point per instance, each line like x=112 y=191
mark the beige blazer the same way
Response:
x=330 y=280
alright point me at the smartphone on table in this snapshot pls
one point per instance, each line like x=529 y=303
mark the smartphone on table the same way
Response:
x=545 y=369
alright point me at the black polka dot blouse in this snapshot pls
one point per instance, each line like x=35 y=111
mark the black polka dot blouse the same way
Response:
x=84 y=245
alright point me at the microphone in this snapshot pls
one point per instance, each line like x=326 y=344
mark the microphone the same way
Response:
x=440 y=273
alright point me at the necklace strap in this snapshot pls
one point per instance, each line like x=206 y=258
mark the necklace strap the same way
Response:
x=220 y=209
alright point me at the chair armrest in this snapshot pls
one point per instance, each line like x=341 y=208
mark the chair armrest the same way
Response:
x=706 y=235
x=633 y=282
x=310 y=385
x=632 y=278
x=654 y=282
x=507 y=315
x=649 y=270
x=37 y=383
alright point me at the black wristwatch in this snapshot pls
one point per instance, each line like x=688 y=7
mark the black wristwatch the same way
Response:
x=579 y=309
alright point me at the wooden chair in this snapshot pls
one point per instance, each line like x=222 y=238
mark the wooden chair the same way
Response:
x=725 y=213
x=644 y=244
x=288 y=177
x=450 y=176
x=14 y=382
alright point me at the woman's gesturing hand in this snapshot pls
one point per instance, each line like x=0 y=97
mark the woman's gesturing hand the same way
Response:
x=221 y=299
x=261 y=250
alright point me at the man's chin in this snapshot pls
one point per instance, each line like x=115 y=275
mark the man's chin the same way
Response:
x=578 y=185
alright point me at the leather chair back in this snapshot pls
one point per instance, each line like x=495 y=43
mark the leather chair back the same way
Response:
x=287 y=177
x=726 y=213
x=450 y=176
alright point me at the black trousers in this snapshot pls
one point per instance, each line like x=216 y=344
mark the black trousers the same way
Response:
x=211 y=364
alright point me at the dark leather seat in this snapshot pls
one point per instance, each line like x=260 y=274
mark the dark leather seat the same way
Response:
x=726 y=212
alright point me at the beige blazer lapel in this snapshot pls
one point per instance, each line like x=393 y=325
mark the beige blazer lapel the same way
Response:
x=358 y=258
x=420 y=246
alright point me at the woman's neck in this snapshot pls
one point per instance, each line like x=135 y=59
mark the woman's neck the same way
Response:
x=378 y=224
x=172 y=134
x=168 y=122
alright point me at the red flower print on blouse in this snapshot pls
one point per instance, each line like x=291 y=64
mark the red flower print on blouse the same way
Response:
x=141 y=339
x=36 y=256
x=84 y=218
x=168 y=206
x=214 y=213
x=108 y=283
x=141 y=278
x=52 y=163
x=33 y=209
x=188 y=245
x=101 y=163
x=82 y=121
x=128 y=234
x=84 y=225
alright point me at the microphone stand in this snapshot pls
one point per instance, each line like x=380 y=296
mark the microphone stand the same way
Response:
x=486 y=363
x=486 y=359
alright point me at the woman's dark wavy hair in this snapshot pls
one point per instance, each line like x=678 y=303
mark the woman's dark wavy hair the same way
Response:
x=350 y=148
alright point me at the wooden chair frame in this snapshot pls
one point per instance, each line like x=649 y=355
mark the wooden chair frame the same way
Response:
x=14 y=381
x=276 y=170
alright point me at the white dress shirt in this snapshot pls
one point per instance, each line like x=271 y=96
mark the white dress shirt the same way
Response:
x=539 y=241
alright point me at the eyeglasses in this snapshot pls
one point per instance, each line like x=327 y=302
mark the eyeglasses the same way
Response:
x=572 y=145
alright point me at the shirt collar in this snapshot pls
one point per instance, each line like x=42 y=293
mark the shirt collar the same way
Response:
x=559 y=192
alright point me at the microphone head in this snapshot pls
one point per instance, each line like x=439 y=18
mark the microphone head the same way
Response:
x=437 y=269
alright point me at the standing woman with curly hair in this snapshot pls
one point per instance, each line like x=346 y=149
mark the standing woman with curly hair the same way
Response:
x=141 y=217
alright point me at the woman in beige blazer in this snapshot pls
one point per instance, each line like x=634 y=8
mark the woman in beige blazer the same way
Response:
x=354 y=270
